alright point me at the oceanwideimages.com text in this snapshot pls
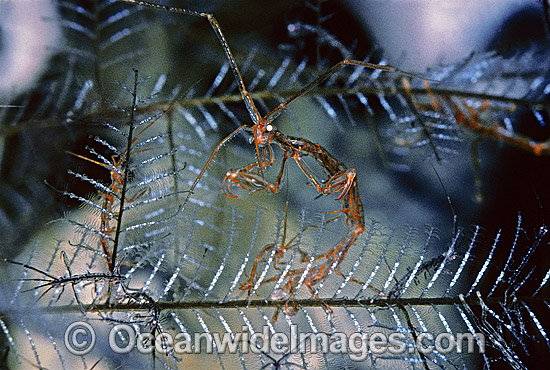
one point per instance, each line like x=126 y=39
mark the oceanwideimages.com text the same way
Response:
x=80 y=338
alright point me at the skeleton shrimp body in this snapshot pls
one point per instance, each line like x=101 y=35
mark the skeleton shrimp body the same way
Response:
x=339 y=179
x=354 y=218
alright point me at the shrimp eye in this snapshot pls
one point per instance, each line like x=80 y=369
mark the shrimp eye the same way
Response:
x=269 y=127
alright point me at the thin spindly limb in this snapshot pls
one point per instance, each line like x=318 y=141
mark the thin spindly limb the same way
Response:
x=347 y=62
x=250 y=106
x=247 y=179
